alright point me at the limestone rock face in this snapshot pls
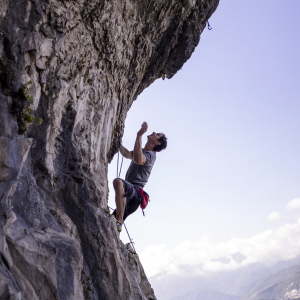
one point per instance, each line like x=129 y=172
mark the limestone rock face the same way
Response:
x=69 y=72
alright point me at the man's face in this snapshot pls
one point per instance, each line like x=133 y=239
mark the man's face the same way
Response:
x=154 y=137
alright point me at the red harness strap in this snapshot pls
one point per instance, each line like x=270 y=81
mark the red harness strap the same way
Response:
x=145 y=199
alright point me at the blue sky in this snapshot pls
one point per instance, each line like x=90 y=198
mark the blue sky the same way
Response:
x=232 y=119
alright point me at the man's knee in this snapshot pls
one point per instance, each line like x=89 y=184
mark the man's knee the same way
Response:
x=118 y=184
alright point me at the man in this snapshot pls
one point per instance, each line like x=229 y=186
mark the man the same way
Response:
x=128 y=197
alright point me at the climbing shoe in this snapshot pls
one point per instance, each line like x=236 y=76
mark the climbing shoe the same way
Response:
x=119 y=225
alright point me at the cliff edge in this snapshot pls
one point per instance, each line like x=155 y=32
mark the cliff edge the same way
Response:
x=69 y=72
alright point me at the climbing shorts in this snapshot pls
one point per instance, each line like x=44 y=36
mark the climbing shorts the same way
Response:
x=133 y=198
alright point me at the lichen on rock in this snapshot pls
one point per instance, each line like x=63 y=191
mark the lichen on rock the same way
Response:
x=76 y=66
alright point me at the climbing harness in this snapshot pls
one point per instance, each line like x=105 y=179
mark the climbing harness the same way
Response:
x=119 y=174
x=131 y=241
x=208 y=26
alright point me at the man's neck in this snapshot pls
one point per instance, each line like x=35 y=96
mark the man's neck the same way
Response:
x=148 y=147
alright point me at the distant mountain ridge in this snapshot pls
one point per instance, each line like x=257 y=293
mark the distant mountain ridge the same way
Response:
x=207 y=295
x=283 y=285
x=253 y=282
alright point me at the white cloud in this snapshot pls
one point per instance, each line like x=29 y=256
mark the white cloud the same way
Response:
x=267 y=247
x=273 y=216
x=294 y=204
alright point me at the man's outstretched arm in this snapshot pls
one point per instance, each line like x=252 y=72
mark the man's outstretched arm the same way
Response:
x=138 y=156
x=127 y=153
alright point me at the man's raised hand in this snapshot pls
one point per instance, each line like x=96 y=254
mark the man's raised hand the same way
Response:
x=143 y=129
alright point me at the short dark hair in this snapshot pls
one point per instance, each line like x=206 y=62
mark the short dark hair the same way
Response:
x=163 y=143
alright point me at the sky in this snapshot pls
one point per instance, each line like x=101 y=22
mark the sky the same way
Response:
x=229 y=181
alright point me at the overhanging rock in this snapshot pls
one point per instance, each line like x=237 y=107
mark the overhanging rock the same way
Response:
x=69 y=72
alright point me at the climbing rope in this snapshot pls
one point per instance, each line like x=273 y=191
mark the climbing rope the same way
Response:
x=208 y=26
x=118 y=176
x=119 y=173
x=131 y=241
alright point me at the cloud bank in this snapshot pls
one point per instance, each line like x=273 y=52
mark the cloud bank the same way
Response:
x=267 y=247
x=294 y=204
x=273 y=216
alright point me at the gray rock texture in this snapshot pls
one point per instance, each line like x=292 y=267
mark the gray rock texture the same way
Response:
x=69 y=72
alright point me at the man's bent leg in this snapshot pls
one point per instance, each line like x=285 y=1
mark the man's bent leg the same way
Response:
x=120 y=199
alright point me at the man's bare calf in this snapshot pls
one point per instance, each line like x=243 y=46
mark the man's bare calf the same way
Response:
x=120 y=199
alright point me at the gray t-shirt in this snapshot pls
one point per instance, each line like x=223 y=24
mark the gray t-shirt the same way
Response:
x=139 y=175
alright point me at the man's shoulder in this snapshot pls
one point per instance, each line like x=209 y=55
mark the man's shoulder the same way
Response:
x=150 y=152
x=150 y=156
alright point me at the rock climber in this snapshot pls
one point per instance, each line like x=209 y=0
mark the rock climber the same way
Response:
x=129 y=192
